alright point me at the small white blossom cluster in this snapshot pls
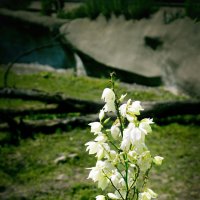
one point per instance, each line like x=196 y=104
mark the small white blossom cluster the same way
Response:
x=123 y=159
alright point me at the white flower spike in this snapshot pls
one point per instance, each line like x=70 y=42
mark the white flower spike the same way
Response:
x=123 y=159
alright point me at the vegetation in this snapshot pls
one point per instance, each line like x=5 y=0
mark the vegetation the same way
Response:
x=15 y=4
x=78 y=87
x=28 y=171
x=136 y=9
x=192 y=8
x=49 y=5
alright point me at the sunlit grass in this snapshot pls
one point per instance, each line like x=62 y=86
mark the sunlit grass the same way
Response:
x=77 y=87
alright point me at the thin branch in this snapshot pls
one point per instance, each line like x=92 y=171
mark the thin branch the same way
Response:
x=147 y=175
x=113 y=185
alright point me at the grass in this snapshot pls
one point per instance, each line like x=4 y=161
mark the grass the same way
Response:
x=31 y=170
x=28 y=171
x=19 y=103
x=77 y=87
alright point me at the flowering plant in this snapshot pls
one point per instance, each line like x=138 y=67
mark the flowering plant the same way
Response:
x=123 y=159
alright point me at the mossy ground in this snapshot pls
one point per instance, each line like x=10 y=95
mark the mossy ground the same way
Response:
x=28 y=170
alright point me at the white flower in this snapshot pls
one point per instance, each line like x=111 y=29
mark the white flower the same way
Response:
x=102 y=151
x=152 y=193
x=115 y=132
x=135 y=108
x=147 y=195
x=101 y=114
x=132 y=155
x=103 y=182
x=125 y=145
x=108 y=95
x=100 y=197
x=129 y=110
x=144 y=196
x=115 y=178
x=145 y=161
x=145 y=125
x=92 y=147
x=123 y=109
x=109 y=106
x=101 y=138
x=158 y=160
x=113 y=157
x=131 y=135
x=95 y=127
x=113 y=196
x=97 y=173
x=99 y=148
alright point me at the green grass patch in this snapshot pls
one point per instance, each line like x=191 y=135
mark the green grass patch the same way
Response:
x=29 y=170
x=19 y=103
x=86 y=88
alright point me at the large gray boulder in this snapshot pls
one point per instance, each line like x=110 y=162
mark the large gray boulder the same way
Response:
x=153 y=47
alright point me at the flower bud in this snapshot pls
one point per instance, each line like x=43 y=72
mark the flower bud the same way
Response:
x=101 y=115
x=122 y=97
x=108 y=95
x=115 y=132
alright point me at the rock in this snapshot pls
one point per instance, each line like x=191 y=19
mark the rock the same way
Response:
x=60 y=159
x=80 y=68
x=64 y=158
x=147 y=47
x=73 y=156
x=61 y=177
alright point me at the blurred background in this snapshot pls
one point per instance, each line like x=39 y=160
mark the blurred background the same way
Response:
x=56 y=57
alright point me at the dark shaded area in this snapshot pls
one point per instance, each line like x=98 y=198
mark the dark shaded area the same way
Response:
x=153 y=42
x=15 y=4
x=18 y=37
x=20 y=127
x=97 y=69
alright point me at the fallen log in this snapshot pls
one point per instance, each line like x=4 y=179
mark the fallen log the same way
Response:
x=25 y=128
x=68 y=104
x=71 y=104
x=30 y=111
x=170 y=108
